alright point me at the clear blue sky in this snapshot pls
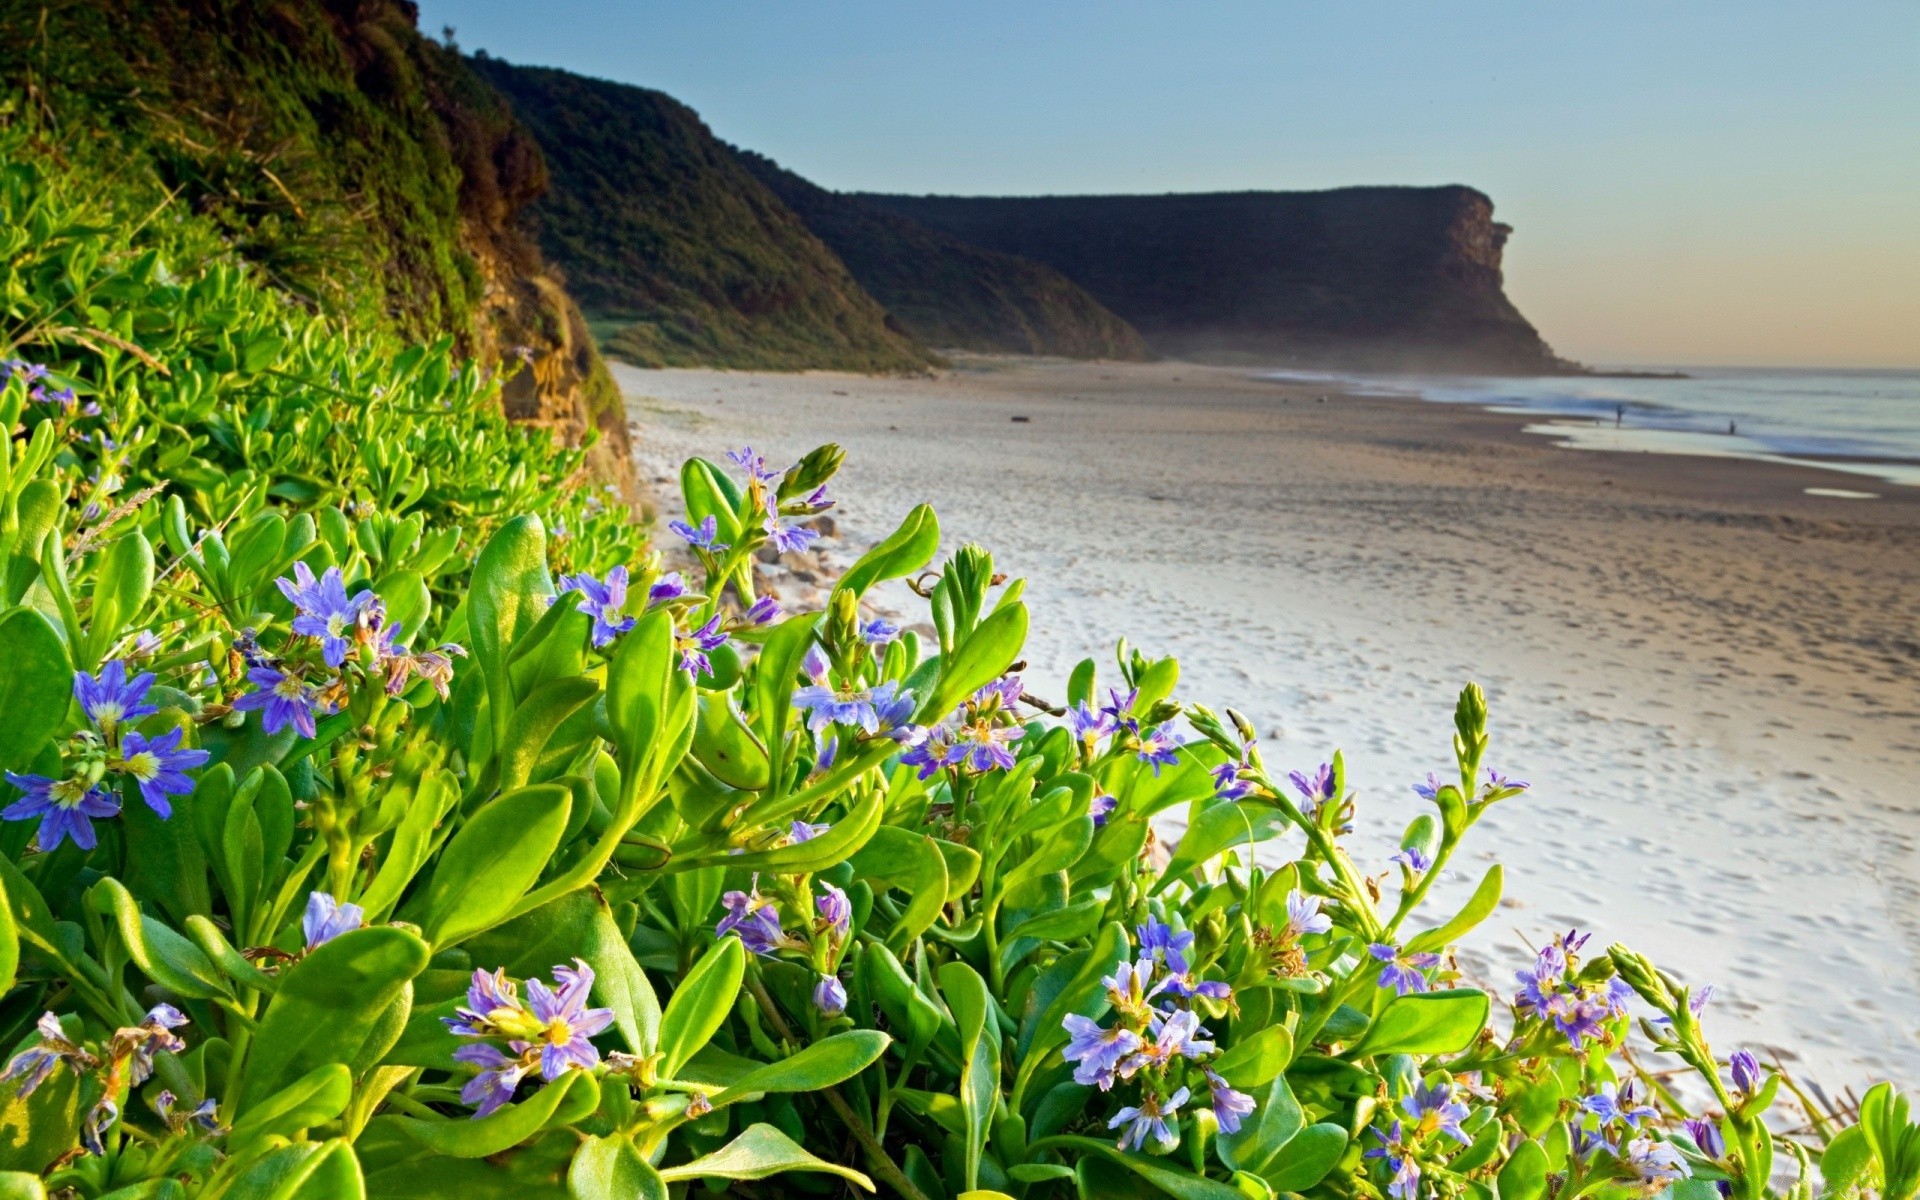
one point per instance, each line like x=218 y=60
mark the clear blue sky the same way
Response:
x=1690 y=183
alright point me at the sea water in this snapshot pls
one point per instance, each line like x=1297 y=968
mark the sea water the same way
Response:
x=1862 y=422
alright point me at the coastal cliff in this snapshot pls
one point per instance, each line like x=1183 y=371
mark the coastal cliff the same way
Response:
x=946 y=292
x=1376 y=278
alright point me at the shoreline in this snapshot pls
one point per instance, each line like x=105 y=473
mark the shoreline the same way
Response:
x=1710 y=676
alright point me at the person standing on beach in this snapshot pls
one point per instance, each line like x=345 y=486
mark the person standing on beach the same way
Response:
x=1619 y=414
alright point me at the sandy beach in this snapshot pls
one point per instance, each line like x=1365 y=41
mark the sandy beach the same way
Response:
x=1711 y=677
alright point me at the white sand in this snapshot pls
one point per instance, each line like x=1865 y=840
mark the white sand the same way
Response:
x=1712 y=700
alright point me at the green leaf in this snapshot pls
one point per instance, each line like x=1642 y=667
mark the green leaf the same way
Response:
x=302 y=1171
x=9 y=950
x=638 y=681
x=848 y=834
x=534 y=723
x=168 y=959
x=1845 y=1161
x=907 y=1008
x=823 y=1064
x=319 y=1095
x=560 y=1103
x=18 y=1185
x=507 y=595
x=35 y=689
x=979 y=1086
x=1254 y=1061
x=759 y=1151
x=902 y=552
x=1525 y=1175
x=1258 y=1147
x=773 y=684
x=328 y=1006
x=907 y=860
x=1182 y=1185
x=709 y=493
x=1478 y=908
x=121 y=585
x=978 y=661
x=1220 y=827
x=1058 y=852
x=497 y=855
x=1425 y=1023
x=579 y=925
x=701 y=1004
x=1083 y=994
x=1308 y=1158
x=609 y=1168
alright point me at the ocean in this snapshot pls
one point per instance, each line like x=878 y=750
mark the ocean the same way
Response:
x=1863 y=422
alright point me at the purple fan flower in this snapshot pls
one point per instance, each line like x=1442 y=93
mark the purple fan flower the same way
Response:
x=32 y=1066
x=1100 y=808
x=706 y=537
x=694 y=647
x=1186 y=987
x=153 y=1034
x=1150 y=1117
x=111 y=699
x=785 y=538
x=754 y=921
x=1315 y=789
x=927 y=750
x=1005 y=692
x=827 y=705
x=1613 y=1103
x=66 y=808
x=1405 y=1184
x=1158 y=749
x=100 y=1119
x=1178 y=1035
x=1706 y=1135
x=1097 y=1051
x=1499 y=787
x=603 y=601
x=205 y=1114
x=569 y=1022
x=1119 y=703
x=156 y=765
x=801 y=831
x=1746 y=1071
x=817 y=501
x=323 y=609
x=1414 y=859
x=1432 y=1109
x=1227 y=784
x=826 y=753
x=498 y=1077
x=830 y=996
x=1304 y=916
x=982 y=746
x=327 y=918
x=1229 y=1106
x=283 y=699
x=493 y=1002
x=28 y=372
x=1088 y=725
x=1165 y=944
x=835 y=909
x=879 y=631
x=755 y=465
x=761 y=612
x=1657 y=1163
x=1402 y=971
x=1430 y=790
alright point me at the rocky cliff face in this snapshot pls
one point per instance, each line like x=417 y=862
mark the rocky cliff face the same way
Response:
x=947 y=293
x=1378 y=278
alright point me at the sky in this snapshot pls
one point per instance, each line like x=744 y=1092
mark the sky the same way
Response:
x=1689 y=183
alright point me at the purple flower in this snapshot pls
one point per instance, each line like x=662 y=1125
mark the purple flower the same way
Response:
x=706 y=537
x=32 y=1066
x=830 y=996
x=1119 y=703
x=493 y=1007
x=282 y=699
x=1088 y=725
x=785 y=538
x=982 y=746
x=1229 y=1106
x=754 y=921
x=761 y=612
x=1414 y=859
x=153 y=1034
x=817 y=501
x=1405 y=1184
x=1164 y=944
x=603 y=601
x=879 y=631
x=1100 y=808
x=327 y=918
x=1432 y=1109
x=156 y=766
x=498 y=1077
x=1150 y=1117
x=755 y=465
x=1613 y=1103
x=827 y=705
x=927 y=750
x=111 y=699
x=1402 y=971
x=66 y=808
x=835 y=909
x=93 y=1132
x=1178 y=1035
x=1657 y=1163
x=1746 y=1071
x=323 y=609
x=1499 y=787
x=1097 y=1051
x=1131 y=986
x=1304 y=916
x=695 y=645
x=205 y=1114
x=1185 y=986
x=568 y=1022
x=801 y=831
x=1004 y=692
x=827 y=751
x=1227 y=784
x=1315 y=789
x=1158 y=749
x=28 y=372
x=1430 y=790
x=1706 y=1135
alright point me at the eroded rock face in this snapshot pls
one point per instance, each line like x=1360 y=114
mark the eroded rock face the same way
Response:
x=1395 y=278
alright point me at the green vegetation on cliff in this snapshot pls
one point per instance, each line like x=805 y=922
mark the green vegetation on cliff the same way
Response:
x=948 y=293
x=682 y=256
x=360 y=165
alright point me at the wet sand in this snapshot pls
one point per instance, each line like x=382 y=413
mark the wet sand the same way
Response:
x=1711 y=677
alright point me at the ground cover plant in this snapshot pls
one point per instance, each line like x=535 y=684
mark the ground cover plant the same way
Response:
x=382 y=819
